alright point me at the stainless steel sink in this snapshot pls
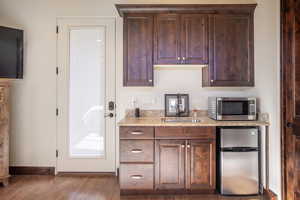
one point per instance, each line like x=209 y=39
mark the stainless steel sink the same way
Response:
x=180 y=120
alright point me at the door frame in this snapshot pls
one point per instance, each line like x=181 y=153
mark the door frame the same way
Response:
x=115 y=82
x=287 y=64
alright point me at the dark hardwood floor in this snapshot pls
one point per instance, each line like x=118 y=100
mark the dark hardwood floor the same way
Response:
x=84 y=187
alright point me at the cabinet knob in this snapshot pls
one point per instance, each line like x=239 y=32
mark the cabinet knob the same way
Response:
x=188 y=146
x=182 y=146
x=183 y=58
x=178 y=58
x=150 y=81
x=212 y=81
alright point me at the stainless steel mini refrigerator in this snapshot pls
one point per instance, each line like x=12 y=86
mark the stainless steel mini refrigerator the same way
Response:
x=239 y=161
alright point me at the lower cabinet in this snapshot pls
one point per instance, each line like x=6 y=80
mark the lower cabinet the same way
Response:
x=185 y=165
x=176 y=159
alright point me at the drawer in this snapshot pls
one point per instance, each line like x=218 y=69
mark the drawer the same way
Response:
x=136 y=151
x=200 y=132
x=167 y=132
x=136 y=177
x=185 y=132
x=136 y=132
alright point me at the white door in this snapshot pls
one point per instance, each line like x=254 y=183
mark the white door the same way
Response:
x=85 y=95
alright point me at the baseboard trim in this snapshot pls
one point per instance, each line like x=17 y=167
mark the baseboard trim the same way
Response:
x=20 y=170
x=270 y=195
x=86 y=174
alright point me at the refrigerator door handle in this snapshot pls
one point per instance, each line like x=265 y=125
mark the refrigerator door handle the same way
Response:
x=239 y=149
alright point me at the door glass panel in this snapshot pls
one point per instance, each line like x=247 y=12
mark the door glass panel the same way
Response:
x=87 y=92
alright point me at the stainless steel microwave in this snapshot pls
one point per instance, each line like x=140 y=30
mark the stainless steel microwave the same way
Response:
x=232 y=108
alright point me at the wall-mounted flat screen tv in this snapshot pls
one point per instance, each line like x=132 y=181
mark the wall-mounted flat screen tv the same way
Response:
x=11 y=53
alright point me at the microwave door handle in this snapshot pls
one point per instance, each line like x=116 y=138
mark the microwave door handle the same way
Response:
x=182 y=104
x=178 y=105
x=219 y=106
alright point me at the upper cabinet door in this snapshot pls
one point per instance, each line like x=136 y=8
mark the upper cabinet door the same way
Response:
x=138 y=50
x=167 y=39
x=194 y=38
x=231 y=52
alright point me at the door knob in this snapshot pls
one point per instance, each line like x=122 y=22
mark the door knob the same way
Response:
x=290 y=125
x=111 y=105
x=110 y=115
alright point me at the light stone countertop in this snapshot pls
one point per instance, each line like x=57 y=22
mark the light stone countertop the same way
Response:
x=204 y=121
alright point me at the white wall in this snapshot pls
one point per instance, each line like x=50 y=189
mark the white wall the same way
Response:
x=33 y=135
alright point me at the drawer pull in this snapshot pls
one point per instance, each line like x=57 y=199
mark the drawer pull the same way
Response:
x=137 y=133
x=137 y=177
x=136 y=151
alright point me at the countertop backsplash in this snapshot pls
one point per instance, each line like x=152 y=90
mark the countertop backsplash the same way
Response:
x=161 y=113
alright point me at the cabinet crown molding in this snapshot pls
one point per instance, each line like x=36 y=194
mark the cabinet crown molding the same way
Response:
x=185 y=8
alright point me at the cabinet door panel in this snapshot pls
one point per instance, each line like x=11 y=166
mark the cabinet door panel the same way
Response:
x=170 y=159
x=138 y=48
x=167 y=39
x=194 y=38
x=231 y=55
x=201 y=165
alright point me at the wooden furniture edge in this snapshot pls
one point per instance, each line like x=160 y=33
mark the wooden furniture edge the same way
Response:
x=270 y=195
x=160 y=8
x=4 y=180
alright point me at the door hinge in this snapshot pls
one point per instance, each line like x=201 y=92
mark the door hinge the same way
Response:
x=56 y=153
x=57 y=29
x=56 y=111
x=56 y=70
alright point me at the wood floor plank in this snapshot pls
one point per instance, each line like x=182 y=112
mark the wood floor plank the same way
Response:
x=81 y=187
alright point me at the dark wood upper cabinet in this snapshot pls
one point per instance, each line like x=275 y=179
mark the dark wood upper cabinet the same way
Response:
x=220 y=36
x=167 y=39
x=201 y=165
x=231 y=56
x=194 y=39
x=170 y=159
x=138 y=50
x=181 y=39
